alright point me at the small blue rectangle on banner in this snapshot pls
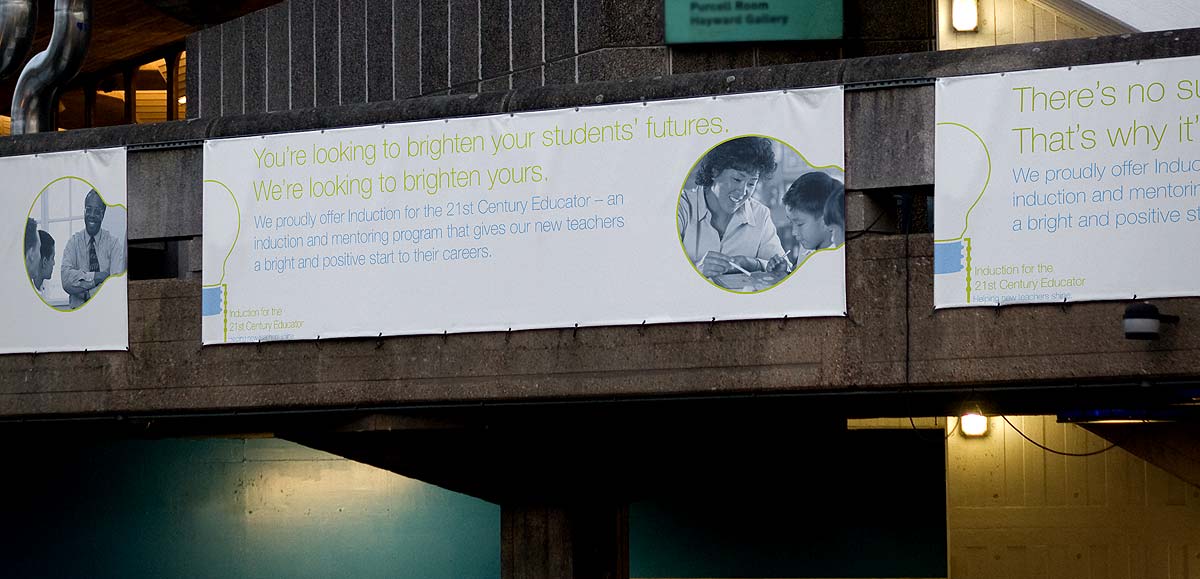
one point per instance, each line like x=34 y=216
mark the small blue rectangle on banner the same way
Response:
x=211 y=300
x=948 y=257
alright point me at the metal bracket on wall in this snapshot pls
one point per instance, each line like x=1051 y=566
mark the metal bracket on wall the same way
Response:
x=881 y=84
x=166 y=145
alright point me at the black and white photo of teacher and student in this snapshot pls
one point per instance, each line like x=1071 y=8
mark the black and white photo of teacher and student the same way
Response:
x=93 y=251
x=753 y=210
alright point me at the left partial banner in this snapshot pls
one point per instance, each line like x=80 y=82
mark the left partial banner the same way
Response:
x=62 y=254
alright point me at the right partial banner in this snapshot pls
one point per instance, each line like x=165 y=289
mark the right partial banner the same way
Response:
x=1068 y=184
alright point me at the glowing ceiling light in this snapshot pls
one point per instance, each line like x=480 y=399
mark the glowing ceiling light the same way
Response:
x=964 y=15
x=973 y=424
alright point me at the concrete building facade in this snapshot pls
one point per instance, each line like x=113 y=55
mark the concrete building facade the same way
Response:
x=550 y=424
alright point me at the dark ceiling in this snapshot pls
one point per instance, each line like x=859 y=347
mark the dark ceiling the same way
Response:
x=124 y=31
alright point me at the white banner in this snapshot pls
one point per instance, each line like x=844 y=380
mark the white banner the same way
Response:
x=626 y=214
x=63 y=252
x=1068 y=184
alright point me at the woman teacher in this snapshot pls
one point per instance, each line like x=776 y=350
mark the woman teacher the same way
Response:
x=722 y=227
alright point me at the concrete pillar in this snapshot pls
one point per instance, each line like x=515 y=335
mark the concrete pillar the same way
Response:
x=130 y=89
x=577 y=541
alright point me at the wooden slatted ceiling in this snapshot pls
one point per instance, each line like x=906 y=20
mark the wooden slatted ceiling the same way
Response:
x=122 y=31
x=125 y=29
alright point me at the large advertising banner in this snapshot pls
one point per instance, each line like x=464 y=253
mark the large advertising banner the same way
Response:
x=1068 y=184
x=62 y=254
x=705 y=209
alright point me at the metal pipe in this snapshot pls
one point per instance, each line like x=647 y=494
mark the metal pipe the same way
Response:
x=35 y=101
x=18 y=21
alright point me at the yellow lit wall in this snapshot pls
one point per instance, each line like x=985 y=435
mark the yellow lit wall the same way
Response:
x=1016 y=511
x=1012 y=22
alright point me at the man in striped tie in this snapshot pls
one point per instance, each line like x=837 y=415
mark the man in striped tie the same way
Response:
x=92 y=255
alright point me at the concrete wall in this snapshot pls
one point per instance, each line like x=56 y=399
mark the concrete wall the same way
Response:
x=267 y=508
x=317 y=53
x=259 y=508
x=891 y=340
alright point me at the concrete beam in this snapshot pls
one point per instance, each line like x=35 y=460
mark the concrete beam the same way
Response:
x=891 y=340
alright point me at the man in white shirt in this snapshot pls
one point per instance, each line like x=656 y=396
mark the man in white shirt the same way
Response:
x=92 y=255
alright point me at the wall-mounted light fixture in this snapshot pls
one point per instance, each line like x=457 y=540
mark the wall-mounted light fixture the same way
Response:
x=973 y=424
x=964 y=15
x=182 y=100
x=1142 y=321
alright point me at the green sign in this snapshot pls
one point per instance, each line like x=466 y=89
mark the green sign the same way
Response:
x=691 y=21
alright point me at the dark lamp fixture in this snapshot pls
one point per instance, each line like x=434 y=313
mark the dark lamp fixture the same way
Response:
x=1143 y=321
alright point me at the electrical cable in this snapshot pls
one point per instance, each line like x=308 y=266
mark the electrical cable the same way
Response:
x=955 y=429
x=868 y=229
x=922 y=436
x=1051 y=450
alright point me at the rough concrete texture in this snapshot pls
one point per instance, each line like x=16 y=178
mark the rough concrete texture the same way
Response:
x=442 y=46
x=878 y=19
x=464 y=45
x=210 y=72
x=407 y=47
x=789 y=52
x=558 y=28
x=192 y=46
x=278 y=82
x=302 y=61
x=890 y=340
x=498 y=84
x=232 y=79
x=165 y=193
x=526 y=33
x=380 y=52
x=560 y=71
x=699 y=58
x=166 y=369
x=435 y=74
x=608 y=63
x=631 y=22
x=592 y=34
x=326 y=39
x=255 y=63
x=494 y=41
x=352 y=19
x=897 y=152
x=884 y=47
x=528 y=79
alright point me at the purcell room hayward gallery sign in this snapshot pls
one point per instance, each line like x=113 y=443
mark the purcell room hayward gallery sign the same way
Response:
x=695 y=21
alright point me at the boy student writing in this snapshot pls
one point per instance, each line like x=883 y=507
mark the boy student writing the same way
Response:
x=814 y=205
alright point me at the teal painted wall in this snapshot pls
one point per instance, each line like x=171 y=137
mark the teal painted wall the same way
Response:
x=872 y=504
x=232 y=508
